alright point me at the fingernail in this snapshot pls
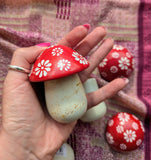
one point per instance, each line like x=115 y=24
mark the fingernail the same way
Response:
x=104 y=28
x=87 y=26
x=126 y=80
x=46 y=44
x=111 y=39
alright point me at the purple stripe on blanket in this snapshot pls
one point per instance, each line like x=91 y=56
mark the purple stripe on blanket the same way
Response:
x=63 y=8
x=144 y=88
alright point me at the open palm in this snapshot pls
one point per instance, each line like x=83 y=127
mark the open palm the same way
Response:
x=25 y=123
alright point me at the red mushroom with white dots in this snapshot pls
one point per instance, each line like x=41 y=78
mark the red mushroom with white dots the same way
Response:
x=124 y=132
x=65 y=97
x=118 y=63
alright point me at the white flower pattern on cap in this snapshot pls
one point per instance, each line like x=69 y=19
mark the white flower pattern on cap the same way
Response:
x=115 y=55
x=57 y=51
x=138 y=142
x=104 y=74
x=129 y=136
x=133 y=63
x=79 y=58
x=135 y=125
x=111 y=122
x=64 y=65
x=114 y=69
x=128 y=54
x=142 y=127
x=124 y=63
x=43 y=68
x=118 y=47
x=109 y=138
x=123 y=117
x=135 y=117
x=119 y=129
x=104 y=62
x=123 y=146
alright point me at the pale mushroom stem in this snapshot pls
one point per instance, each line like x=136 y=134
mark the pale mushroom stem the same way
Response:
x=65 y=98
x=98 y=111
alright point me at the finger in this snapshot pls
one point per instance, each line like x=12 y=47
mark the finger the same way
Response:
x=24 y=57
x=74 y=37
x=106 y=92
x=91 y=40
x=96 y=58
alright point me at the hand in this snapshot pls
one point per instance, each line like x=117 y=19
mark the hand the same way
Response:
x=28 y=132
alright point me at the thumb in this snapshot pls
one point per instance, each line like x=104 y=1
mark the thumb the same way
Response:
x=24 y=57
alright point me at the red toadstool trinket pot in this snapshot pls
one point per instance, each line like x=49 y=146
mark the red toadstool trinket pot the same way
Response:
x=58 y=67
x=124 y=132
x=118 y=63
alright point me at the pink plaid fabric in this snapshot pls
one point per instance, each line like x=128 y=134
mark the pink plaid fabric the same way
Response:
x=28 y=23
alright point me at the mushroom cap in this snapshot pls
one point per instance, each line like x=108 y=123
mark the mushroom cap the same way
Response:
x=118 y=63
x=56 y=62
x=124 y=132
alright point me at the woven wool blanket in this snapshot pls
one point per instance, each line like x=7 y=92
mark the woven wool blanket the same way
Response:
x=26 y=23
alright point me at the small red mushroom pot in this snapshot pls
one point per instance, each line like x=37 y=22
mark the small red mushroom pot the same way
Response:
x=124 y=132
x=58 y=68
x=57 y=62
x=118 y=63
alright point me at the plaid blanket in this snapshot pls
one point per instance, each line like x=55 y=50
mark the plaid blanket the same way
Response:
x=26 y=23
